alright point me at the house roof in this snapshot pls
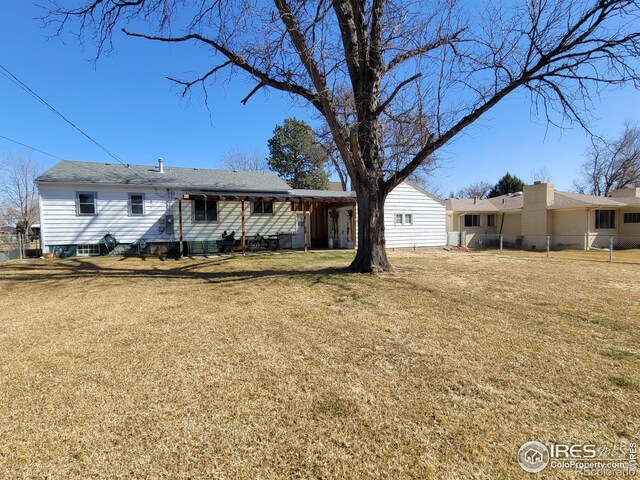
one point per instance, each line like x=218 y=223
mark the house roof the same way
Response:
x=511 y=201
x=197 y=182
x=515 y=202
x=570 y=200
x=335 y=186
x=296 y=192
x=470 y=205
x=67 y=171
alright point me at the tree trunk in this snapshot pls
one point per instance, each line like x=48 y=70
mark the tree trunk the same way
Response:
x=371 y=256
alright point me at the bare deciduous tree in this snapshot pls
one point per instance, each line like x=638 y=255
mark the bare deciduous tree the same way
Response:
x=541 y=174
x=417 y=73
x=611 y=164
x=18 y=190
x=241 y=161
x=478 y=190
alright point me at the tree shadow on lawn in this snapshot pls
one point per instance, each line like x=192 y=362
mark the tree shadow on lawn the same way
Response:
x=58 y=271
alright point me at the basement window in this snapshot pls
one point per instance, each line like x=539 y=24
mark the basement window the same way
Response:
x=472 y=220
x=205 y=211
x=261 y=207
x=632 y=217
x=88 y=250
x=605 y=219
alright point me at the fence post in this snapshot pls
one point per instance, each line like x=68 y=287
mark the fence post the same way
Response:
x=20 y=245
x=548 y=245
x=611 y=249
x=501 y=243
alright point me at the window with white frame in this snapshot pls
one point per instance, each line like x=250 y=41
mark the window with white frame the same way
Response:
x=86 y=203
x=605 y=219
x=205 y=211
x=632 y=217
x=261 y=207
x=136 y=204
x=491 y=220
x=403 y=219
x=88 y=250
x=472 y=220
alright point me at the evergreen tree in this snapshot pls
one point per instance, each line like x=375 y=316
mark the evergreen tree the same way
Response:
x=297 y=157
x=507 y=184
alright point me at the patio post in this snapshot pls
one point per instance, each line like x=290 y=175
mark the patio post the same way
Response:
x=304 y=217
x=242 y=241
x=180 y=225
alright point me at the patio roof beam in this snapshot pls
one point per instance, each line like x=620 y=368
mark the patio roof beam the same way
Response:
x=266 y=198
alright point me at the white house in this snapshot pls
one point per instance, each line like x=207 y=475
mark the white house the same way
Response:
x=92 y=208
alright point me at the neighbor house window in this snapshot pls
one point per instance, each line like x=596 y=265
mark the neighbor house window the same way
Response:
x=633 y=217
x=262 y=207
x=605 y=219
x=136 y=204
x=398 y=219
x=205 y=210
x=86 y=250
x=472 y=220
x=408 y=219
x=86 y=203
x=491 y=220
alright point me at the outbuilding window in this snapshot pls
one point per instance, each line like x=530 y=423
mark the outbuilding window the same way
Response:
x=205 y=210
x=605 y=219
x=403 y=219
x=472 y=220
x=262 y=207
x=86 y=203
x=136 y=204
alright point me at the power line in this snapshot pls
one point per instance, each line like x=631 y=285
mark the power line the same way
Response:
x=32 y=148
x=15 y=80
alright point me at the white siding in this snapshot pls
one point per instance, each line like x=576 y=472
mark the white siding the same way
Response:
x=429 y=223
x=283 y=220
x=61 y=225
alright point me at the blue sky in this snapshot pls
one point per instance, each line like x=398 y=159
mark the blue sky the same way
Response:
x=125 y=102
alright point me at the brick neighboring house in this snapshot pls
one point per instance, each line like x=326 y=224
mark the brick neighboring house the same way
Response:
x=526 y=218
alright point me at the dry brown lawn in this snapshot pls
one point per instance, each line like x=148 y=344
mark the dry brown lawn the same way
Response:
x=281 y=366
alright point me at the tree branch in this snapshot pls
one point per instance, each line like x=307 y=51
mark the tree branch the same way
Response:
x=240 y=62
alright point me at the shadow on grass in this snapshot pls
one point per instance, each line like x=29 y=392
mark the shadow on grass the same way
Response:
x=74 y=269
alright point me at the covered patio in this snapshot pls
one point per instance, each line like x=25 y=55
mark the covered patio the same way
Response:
x=318 y=215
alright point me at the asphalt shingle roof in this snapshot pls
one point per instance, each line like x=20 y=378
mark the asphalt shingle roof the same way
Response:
x=570 y=199
x=67 y=171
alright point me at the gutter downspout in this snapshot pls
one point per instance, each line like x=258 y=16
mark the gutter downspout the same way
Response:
x=460 y=228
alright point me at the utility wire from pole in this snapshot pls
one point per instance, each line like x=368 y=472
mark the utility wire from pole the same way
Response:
x=11 y=77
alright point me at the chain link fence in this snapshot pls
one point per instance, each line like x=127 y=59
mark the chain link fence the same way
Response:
x=13 y=247
x=602 y=247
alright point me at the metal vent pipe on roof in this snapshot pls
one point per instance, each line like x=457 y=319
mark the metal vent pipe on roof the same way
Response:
x=160 y=165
